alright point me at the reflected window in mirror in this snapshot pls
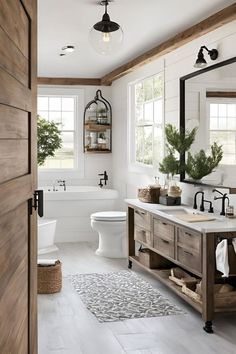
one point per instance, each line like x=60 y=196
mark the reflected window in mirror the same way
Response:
x=221 y=114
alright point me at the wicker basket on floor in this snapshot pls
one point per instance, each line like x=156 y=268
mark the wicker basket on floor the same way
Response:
x=49 y=278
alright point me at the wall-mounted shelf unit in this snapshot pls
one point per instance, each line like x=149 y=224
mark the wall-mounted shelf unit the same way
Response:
x=98 y=125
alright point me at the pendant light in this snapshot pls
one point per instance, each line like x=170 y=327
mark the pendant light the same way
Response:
x=106 y=36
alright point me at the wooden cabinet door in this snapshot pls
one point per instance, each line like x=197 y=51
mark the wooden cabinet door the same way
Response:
x=18 y=266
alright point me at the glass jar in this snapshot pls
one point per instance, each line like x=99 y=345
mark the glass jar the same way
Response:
x=229 y=212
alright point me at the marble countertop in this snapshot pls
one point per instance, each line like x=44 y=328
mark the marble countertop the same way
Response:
x=220 y=224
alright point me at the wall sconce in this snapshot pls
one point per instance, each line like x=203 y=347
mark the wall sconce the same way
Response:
x=201 y=62
x=106 y=36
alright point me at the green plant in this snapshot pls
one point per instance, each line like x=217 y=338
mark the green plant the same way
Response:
x=180 y=140
x=49 y=139
x=169 y=165
x=200 y=165
x=177 y=142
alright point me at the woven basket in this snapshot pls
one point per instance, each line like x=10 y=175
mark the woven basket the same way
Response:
x=49 y=278
x=149 y=194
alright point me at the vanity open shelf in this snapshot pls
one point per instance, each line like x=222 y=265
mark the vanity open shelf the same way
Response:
x=173 y=244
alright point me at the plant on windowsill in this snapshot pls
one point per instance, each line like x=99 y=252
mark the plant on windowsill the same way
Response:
x=49 y=139
x=200 y=165
x=178 y=142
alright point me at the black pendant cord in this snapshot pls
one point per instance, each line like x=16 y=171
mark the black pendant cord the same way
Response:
x=106 y=4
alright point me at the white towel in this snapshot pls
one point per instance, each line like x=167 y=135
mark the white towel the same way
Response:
x=222 y=262
x=234 y=244
x=46 y=262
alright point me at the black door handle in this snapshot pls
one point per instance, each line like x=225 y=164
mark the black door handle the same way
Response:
x=37 y=203
x=39 y=194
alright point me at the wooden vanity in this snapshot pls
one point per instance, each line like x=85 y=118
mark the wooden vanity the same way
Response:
x=190 y=246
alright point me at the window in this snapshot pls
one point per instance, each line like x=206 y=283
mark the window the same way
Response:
x=146 y=124
x=65 y=107
x=222 y=127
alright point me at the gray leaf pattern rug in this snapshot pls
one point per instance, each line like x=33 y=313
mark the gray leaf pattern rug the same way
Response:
x=121 y=295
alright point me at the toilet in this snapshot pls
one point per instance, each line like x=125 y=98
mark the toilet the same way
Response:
x=111 y=228
x=46 y=236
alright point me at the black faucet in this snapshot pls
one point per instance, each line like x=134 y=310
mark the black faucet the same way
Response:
x=202 y=201
x=210 y=210
x=62 y=183
x=223 y=197
x=105 y=178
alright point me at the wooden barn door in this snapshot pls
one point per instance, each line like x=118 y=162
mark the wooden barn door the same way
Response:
x=18 y=269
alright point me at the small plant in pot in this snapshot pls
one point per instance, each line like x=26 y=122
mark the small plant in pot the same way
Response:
x=49 y=139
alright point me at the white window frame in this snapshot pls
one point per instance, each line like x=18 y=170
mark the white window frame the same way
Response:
x=78 y=170
x=134 y=166
x=219 y=100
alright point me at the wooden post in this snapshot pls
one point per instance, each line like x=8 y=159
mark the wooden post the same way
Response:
x=208 y=279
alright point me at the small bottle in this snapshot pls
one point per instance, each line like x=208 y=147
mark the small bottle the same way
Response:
x=229 y=213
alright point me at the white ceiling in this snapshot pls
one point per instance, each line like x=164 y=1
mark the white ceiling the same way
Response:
x=145 y=23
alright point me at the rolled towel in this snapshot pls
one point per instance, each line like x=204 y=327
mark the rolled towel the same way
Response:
x=46 y=262
x=222 y=262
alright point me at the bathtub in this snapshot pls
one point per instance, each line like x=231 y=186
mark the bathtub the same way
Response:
x=46 y=235
x=72 y=209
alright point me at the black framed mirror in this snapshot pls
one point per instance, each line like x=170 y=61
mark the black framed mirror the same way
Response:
x=208 y=101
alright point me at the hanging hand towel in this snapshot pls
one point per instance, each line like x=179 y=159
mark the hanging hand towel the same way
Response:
x=222 y=262
x=234 y=244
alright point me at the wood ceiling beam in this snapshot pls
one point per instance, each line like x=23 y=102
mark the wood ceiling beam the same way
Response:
x=69 y=81
x=224 y=94
x=211 y=23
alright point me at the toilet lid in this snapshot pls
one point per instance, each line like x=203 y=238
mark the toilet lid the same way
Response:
x=109 y=216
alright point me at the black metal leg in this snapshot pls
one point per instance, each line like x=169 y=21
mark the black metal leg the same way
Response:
x=208 y=327
x=130 y=264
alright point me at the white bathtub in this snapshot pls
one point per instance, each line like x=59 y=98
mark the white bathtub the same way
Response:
x=72 y=209
x=46 y=235
x=79 y=193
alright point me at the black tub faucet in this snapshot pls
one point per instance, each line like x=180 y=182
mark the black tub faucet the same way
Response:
x=202 y=201
x=105 y=178
x=62 y=183
x=223 y=197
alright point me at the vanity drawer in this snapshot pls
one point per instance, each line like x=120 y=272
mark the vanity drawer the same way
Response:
x=190 y=240
x=143 y=235
x=189 y=258
x=164 y=246
x=142 y=219
x=163 y=229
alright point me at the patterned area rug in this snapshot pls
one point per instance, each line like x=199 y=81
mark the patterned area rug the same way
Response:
x=121 y=295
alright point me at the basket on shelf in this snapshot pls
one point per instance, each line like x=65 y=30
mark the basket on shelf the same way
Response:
x=49 y=278
x=180 y=277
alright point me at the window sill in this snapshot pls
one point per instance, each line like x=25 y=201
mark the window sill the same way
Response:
x=55 y=172
x=141 y=169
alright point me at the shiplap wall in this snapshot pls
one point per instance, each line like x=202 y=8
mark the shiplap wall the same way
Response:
x=175 y=64
x=93 y=163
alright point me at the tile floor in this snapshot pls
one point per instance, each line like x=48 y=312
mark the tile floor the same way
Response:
x=67 y=327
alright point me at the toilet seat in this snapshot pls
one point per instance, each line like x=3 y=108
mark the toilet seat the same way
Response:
x=109 y=216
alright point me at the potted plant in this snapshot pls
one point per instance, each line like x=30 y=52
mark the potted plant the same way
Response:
x=49 y=139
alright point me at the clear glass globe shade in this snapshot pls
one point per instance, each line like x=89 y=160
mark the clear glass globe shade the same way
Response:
x=106 y=43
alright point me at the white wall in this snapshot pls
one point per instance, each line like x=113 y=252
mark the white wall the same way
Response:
x=93 y=163
x=176 y=64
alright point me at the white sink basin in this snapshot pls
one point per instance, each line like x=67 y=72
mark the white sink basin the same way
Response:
x=188 y=211
x=178 y=211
